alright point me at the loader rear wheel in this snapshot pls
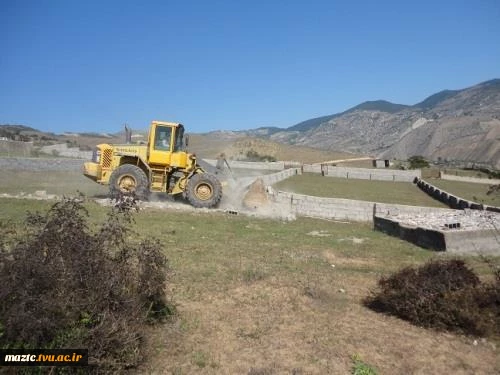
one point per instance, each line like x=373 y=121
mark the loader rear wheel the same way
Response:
x=204 y=190
x=129 y=179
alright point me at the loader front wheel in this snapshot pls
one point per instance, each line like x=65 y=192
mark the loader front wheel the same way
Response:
x=204 y=190
x=129 y=179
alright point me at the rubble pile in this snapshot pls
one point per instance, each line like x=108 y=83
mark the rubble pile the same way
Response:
x=458 y=220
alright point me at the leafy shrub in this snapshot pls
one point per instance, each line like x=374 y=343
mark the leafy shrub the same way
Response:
x=253 y=155
x=418 y=161
x=442 y=294
x=67 y=286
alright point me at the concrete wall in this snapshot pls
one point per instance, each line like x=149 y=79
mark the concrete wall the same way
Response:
x=479 y=241
x=344 y=209
x=451 y=200
x=476 y=180
x=16 y=148
x=372 y=174
x=312 y=168
x=41 y=164
x=275 y=165
x=454 y=241
x=426 y=238
x=363 y=173
x=270 y=179
x=62 y=149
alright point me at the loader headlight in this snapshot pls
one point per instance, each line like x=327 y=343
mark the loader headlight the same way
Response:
x=96 y=156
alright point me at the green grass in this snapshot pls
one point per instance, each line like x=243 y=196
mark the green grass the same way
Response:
x=465 y=173
x=246 y=288
x=471 y=191
x=53 y=182
x=373 y=191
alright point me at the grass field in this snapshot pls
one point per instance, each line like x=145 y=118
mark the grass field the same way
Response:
x=258 y=296
x=373 y=191
x=465 y=173
x=261 y=296
x=54 y=182
x=467 y=190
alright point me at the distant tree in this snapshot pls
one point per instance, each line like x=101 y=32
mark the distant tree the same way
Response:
x=417 y=162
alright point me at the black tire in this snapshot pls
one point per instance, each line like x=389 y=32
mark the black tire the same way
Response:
x=129 y=179
x=203 y=190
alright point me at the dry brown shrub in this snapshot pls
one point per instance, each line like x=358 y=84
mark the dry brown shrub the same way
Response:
x=67 y=286
x=442 y=294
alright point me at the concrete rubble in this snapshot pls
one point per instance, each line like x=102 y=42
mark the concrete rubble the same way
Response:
x=468 y=220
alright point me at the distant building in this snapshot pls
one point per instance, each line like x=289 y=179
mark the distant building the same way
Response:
x=381 y=163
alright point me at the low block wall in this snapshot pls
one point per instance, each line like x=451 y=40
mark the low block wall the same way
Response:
x=344 y=209
x=273 y=178
x=372 y=174
x=426 y=238
x=62 y=149
x=363 y=173
x=451 y=200
x=274 y=166
x=453 y=241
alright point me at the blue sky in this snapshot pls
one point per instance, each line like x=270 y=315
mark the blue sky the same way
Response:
x=73 y=65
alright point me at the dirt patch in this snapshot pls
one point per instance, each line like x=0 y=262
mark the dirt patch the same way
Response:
x=279 y=327
x=354 y=240
x=319 y=233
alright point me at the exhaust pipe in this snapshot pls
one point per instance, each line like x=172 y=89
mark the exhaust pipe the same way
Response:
x=128 y=135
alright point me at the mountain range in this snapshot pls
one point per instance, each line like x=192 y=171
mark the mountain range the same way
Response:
x=451 y=126
x=458 y=126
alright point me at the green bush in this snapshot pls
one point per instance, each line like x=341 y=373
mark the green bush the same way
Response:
x=253 y=155
x=66 y=285
x=417 y=162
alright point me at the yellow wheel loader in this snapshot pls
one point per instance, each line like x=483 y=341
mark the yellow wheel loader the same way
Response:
x=161 y=165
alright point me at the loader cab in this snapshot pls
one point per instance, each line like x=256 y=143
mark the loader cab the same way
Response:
x=166 y=144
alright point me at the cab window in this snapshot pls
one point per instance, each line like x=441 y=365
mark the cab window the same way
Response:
x=162 y=138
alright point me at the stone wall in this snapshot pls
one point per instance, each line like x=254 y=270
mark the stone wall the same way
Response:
x=489 y=181
x=41 y=164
